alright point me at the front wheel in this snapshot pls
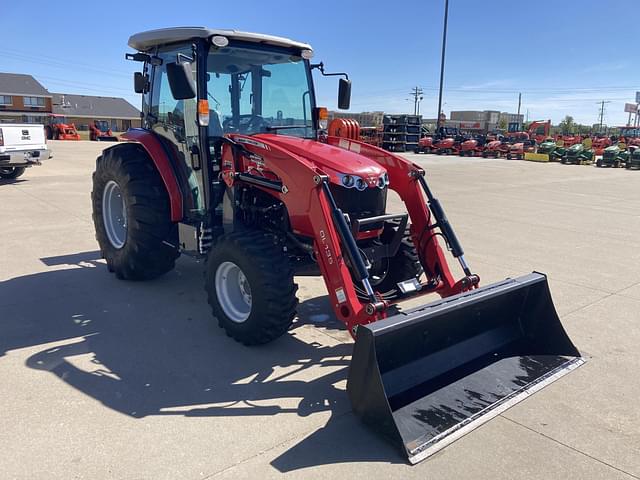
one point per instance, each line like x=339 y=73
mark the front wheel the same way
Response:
x=9 y=173
x=249 y=284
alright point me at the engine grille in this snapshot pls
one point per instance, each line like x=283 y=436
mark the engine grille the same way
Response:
x=360 y=204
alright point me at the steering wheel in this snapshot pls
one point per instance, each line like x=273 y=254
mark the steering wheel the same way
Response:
x=248 y=123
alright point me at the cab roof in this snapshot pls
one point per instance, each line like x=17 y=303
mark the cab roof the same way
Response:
x=145 y=41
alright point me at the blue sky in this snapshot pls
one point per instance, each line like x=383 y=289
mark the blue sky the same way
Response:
x=564 y=56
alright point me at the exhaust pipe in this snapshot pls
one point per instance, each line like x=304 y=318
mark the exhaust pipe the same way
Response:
x=425 y=377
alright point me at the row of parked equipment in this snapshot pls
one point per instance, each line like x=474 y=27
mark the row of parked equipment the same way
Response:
x=605 y=151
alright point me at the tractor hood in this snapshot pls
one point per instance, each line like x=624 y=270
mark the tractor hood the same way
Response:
x=612 y=149
x=332 y=160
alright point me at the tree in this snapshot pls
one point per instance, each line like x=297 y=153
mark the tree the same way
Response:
x=503 y=124
x=567 y=125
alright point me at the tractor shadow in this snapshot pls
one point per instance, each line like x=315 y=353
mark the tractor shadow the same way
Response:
x=153 y=349
x=12 y=181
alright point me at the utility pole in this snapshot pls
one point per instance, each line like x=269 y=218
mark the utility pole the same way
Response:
x=519 y=103
x=444 y=46
x=602 y=111
x=417 y=96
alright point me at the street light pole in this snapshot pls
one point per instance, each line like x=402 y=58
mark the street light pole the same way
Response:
x=444 y=46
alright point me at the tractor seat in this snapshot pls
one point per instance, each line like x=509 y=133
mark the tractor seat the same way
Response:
x=215 y=126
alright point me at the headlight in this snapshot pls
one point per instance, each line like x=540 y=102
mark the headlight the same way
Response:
x=352 y=181
x=348 y=181
x=383 y=181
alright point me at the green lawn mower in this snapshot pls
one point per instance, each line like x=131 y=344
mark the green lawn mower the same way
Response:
x=634 y=159
x=614 y=156
x=578 y=154
x=550 y=147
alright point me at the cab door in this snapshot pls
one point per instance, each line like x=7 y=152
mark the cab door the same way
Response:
x=175 y=121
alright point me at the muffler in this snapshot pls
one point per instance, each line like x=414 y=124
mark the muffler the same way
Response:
x=425 y=377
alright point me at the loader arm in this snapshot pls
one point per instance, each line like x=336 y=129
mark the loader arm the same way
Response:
x=428 y=220
x=300 y=188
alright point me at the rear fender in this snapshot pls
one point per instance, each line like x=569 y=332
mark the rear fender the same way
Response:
x=160 y=158
x=402 y=181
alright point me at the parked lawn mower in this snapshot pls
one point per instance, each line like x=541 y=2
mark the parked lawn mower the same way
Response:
x=494 y=148
x=58 y=129
x=633 y=162
x=472 y=146
x=264 y=193
x=426 y=144
x=519 y=144
x=447 y=141
x=552 y=148
x=579 y=154
x=100 y=131
x=614 y=156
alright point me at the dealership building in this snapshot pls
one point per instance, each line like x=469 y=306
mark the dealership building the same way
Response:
x=25 y=100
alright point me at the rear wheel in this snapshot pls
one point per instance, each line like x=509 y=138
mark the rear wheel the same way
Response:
x=249 y=284
x=9 y=173
x=131 y=215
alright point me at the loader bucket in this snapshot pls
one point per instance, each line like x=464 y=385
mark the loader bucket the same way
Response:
x=425 y=377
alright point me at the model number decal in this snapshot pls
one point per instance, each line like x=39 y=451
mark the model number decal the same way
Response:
x=325 y=246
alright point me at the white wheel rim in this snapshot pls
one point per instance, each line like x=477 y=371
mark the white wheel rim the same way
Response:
x=233 y=292
x=114 y=214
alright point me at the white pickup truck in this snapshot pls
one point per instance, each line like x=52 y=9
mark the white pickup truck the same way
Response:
x=21 y=146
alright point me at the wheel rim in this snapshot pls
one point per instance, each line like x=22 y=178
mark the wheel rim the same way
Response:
x=233 y=292
x=114 y=214
x=6 y=170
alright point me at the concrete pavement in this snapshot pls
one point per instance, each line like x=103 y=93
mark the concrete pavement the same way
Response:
x=108 y=379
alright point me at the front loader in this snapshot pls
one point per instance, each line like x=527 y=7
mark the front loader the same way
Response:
x=233 y=164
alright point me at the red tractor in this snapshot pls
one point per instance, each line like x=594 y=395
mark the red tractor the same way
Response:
x=256 y=188
x=100 y=131
x=59 y=129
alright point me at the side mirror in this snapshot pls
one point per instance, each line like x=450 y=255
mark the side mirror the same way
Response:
x=344 y=94
x=181 y=80
x=140 y=82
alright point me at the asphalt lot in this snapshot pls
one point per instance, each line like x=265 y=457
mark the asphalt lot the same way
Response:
x=108 y=379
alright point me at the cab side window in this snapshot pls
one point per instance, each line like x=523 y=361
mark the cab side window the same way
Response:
x=176 y=121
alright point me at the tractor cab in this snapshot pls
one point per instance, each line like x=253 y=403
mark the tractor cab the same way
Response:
x=57 y=120
x=200 y=94
x=102 y=125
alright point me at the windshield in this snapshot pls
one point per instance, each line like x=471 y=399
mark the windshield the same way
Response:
x=254 y=90
x=102 y=125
